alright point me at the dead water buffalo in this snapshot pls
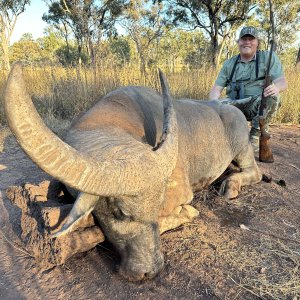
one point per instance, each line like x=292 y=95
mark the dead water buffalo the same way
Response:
x=135 y=159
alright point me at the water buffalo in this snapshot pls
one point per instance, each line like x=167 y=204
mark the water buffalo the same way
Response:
x=134 y=160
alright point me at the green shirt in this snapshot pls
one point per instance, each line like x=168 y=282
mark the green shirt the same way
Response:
x=247 y=70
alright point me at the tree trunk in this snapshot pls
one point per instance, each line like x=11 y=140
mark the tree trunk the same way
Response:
x=143 y=61
x=4 y=45
x=214 y=50
x=142 y=65
x=79 y=55
x=298 y=59
x=92 y=53
x=220 y=53
x=5 y=49
x=65 y=35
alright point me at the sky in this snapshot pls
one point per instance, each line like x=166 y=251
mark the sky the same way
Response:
x=31 y=21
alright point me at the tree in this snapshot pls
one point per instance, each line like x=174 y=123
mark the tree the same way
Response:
x=9 y=12
x=88 y=20
x=298 y=58
x=216 y=18
x=178 y=47
x=68 y=55
x=26 y=50
x=145 y=25
x=50 y=43
x=286 y=19
x=120 y=48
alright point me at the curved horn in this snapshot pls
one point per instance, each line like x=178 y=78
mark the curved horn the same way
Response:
x=169 y=140
x=76 y=169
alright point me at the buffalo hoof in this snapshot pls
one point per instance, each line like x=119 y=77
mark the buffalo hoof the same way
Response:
x=229 y=189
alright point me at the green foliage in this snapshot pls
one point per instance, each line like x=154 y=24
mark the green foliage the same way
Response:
x=215 y=18
x=9 y=12
x=15 y=6
x=145 y=25
x=27 y=37
x=83 y=32
x=287 y=22
x=30 y=51
x=88 y=20
x=182 y=48
x=69 y=55
x=26 y=50
x=50 y=43
x=48 y=48
x=120 y=47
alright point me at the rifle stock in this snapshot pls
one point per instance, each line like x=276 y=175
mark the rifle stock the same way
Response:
x=265 y=151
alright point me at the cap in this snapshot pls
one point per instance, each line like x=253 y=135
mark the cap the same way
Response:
x=249 y=30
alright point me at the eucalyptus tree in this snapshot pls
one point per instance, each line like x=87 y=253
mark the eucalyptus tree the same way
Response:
x=9 y=12
x=50 y=43
x=119 y=46
x=145 y=23
x=287 y=22
x=216 y=18
x=26 y=50
x=182 y=48
x=89 y=20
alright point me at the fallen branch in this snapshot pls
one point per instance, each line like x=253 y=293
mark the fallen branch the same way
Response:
x=242 y=226
x=248 y=290
x=13 y=245
x=293 y=166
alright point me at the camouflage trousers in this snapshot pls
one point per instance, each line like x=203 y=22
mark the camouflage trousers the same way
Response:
x=250 y=108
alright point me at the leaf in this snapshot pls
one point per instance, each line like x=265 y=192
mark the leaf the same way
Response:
x=244 y=227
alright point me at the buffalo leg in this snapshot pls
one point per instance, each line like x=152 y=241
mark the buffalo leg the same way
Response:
x=250 y=174
x=179 y=216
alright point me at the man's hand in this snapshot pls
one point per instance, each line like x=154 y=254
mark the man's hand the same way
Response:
x=271 y=90
x=215 y=92
x=279 y=84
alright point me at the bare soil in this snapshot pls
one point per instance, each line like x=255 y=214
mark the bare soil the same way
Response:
x=247 y=248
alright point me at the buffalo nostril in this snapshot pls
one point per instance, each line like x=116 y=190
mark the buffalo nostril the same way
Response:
x=149 y=275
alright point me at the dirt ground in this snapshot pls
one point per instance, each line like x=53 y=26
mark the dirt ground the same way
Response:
x=247 y=248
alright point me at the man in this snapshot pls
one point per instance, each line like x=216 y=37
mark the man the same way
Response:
x=244 y=76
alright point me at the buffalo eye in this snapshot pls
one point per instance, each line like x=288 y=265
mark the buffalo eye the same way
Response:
x=119 y=214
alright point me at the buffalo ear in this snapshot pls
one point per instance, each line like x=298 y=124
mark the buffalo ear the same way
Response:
x=69 y=227
x=79 y=214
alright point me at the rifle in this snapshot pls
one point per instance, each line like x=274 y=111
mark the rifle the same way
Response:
x=265 y=151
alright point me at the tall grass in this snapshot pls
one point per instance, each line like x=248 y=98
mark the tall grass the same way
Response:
x=289 y=112
x=65 y=92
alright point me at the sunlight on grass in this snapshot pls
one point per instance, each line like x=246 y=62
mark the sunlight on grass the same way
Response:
x=65 y=92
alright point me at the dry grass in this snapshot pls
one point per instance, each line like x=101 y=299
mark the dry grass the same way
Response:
x=65 y=92
x=238 y=263
x=289 y=113
x=272 y=269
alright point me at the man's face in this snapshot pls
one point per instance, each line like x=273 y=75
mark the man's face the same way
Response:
x=248 y=46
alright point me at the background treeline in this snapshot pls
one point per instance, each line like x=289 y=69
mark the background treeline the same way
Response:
x=148 y=33
x=91 y=47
